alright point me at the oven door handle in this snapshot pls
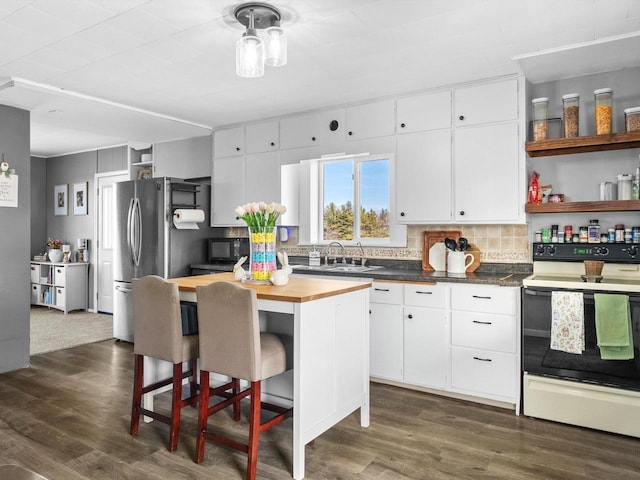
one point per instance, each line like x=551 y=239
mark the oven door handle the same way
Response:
x=547 y=293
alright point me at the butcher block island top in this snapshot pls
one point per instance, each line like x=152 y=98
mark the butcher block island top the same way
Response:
x=297 y=290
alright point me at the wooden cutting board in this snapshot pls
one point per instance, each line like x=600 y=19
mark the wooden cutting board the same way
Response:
x=430 y=238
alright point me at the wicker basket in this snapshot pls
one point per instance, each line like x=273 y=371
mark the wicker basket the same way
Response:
x=593 y=267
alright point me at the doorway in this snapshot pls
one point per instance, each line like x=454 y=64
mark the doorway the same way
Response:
x=104 y=233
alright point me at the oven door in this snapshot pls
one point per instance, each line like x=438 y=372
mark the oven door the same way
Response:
x=539 y=359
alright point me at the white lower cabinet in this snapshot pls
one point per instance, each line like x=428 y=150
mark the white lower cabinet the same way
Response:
x=459 y=338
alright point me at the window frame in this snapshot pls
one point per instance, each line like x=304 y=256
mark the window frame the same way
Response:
x=313 y=231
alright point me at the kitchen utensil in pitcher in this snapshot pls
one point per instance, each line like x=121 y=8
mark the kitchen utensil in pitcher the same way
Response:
x=463 y=243
x=450 y=244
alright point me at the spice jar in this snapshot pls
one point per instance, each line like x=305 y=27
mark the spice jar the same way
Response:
x=594 y=231
x=632 y=119
x=540 y=125
x=584 y=234
x=603 y=98
x=570 y=110
x=628 y=235
x=620 y=233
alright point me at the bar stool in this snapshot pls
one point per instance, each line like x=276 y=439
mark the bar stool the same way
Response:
x=158 y=334
x=231 y=344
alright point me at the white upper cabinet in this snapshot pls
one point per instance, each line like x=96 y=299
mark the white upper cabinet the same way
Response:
x=186 y=158
x=262 y=177
x=430 y=111
x=487 y=103
x=301 y=131
x=423 y=177
x=262 y=137
x=227 y=190
x=229 y=142
x=371 y=120
x=486 y=181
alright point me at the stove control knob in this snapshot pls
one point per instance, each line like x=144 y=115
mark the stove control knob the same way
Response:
x=539 y=249
x=633 y=251
x=603 y=251
x=552 y=250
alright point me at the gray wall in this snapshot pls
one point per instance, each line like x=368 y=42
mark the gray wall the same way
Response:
x=15 y=244
x=67 y=170
x=38 y=205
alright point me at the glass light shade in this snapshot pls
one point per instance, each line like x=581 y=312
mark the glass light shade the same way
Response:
x=250 y=57
x=276 y=47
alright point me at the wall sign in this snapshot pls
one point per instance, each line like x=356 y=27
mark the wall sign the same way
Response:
x=8 y=185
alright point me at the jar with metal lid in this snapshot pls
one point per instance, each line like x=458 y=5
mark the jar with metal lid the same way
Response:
x=594 y=231
x=570 y=110
x=538 y=237
x=624 y=186
x=584 y=234
x=635 y=235
x=628 y=235
x=604 y=110
x=619 y=233
x=540 y=115
x=632 y=119
x=611 y=235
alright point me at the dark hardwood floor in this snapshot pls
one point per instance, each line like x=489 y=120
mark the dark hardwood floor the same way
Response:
x=67 y=418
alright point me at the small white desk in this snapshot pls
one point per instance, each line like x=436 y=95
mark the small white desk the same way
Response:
x=331 y=349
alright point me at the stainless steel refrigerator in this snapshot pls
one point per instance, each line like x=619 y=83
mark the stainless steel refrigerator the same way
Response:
x=148 y=243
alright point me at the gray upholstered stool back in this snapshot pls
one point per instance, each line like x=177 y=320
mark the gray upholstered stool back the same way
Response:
x=230 y=339
x=157 y=321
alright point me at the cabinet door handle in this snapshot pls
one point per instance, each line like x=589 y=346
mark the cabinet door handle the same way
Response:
x=402 y=125
x=482 y=323
x=313 y=139
x=461 y=117
x=273 y=144
x=350 y=133
x=424 y=293
x=381 y=289
x=461 y=212
x=410 y=316
x=482 y=359
x=237 y=149
x=402 y=214
x=481 y=297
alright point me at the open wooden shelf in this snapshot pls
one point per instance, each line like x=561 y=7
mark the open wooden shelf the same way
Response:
x=592 y=143
x=573 y=207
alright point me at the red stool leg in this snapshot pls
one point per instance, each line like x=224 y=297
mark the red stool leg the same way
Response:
x=203 y=414
x=138 y=365
x=254 y=431
x=176 y=396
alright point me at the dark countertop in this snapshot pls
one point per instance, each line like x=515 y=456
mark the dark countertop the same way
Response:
x=503 y=274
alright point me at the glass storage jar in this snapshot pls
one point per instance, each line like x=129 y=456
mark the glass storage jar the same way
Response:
x=604 y=110
x=540 y=124
x=632 y=119
x=624 y=186
x=570 y=110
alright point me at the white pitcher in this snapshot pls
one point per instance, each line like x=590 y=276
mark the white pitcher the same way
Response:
x=458 y=262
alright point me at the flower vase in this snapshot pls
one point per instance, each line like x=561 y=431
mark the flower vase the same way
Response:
x=55 y=255
x=262 y=242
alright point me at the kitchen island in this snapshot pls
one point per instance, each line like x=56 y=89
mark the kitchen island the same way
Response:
x=329 y=322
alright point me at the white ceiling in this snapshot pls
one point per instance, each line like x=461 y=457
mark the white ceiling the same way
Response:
x=171 y=62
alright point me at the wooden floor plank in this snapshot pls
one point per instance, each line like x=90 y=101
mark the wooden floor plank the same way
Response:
x=67 y=417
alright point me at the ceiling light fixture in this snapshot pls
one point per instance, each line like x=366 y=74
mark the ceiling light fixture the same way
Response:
x=251 y=55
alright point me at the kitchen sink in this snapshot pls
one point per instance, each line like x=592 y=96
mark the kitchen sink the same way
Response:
x=340 y=267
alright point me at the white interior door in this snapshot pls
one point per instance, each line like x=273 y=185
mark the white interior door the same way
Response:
x=105 y=223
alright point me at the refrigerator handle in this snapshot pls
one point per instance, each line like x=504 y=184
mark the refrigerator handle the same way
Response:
x=130 y=230
x=123 y=289
x=137 y=231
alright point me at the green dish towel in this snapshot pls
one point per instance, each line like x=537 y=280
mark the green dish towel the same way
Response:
x=613 y=326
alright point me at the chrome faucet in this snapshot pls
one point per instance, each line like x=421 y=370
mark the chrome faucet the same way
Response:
x=326 y=253
x=362 y=259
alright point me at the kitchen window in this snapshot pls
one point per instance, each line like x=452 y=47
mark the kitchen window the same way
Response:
x=350 y=200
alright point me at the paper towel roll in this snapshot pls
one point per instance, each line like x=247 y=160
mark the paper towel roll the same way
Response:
x=188 y=218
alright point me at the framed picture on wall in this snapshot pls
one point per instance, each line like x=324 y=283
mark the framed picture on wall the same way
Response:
x=80 y=198
x=60 y=199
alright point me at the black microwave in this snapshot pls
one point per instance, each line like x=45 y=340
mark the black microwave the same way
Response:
x=227 y=250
